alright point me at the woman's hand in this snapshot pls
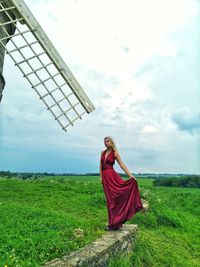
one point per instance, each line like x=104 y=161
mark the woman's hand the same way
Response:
x=101 y=179
x=132 y=176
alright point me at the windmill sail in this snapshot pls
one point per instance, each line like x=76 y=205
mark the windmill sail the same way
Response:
x=40 y=63
x=10 y=28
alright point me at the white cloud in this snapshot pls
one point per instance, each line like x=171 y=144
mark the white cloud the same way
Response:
x=187 y=120
x=149 y=129
x=105 y=44
x=94 y=32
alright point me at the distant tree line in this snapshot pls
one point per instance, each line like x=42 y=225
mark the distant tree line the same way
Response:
x=187 y=181
x=7 y=174
x=160 y=179
x=31 y=175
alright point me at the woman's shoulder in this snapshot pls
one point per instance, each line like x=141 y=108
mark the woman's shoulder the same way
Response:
x=116 y=152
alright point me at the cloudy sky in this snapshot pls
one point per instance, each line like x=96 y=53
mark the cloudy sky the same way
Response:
x=138 y=61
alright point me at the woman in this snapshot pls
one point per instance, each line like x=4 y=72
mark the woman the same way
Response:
x=122 y=197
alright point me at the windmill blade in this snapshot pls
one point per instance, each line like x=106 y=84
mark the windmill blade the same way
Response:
x=40 y=63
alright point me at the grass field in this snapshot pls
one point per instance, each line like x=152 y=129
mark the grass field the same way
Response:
x=38 y=217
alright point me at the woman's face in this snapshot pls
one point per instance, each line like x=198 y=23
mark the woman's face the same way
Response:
x=107 y=143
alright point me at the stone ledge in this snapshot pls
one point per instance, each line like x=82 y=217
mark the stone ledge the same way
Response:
x=98 y=252
x=145 y=207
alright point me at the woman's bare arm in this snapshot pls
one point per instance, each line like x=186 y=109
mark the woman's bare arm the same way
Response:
x=122 y=165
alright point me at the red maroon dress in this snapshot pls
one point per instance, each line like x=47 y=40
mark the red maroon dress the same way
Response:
x=122 y=197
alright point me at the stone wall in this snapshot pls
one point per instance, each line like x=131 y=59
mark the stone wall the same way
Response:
x=101 y=250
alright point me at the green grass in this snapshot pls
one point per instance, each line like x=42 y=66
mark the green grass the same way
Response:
x=169 y=233
x=38 y=217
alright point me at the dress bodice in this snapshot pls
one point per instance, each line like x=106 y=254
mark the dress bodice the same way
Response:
x=109 y=161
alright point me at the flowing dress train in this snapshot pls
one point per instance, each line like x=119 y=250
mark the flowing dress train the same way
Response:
x=122 y=197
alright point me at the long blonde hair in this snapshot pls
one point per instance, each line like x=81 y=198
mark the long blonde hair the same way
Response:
x=112 y=142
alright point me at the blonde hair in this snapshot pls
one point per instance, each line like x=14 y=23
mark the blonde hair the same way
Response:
x=112 y=142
